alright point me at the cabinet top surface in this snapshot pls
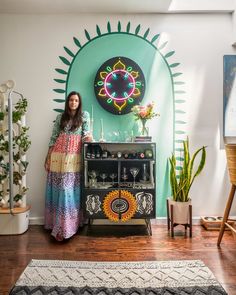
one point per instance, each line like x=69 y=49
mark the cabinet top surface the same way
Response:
x=118 y=143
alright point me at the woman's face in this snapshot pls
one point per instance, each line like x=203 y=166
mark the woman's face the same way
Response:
x=74 y=102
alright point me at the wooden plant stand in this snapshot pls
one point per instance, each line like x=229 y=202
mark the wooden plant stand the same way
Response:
x=170 y=219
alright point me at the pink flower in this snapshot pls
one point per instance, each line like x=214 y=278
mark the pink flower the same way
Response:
x=143 y=114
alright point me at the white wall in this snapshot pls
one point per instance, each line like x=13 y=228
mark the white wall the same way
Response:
x=29 y=50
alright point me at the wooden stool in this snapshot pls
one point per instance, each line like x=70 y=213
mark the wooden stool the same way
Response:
x=231 y=161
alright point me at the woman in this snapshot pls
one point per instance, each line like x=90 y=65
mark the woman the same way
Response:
x=63 y=163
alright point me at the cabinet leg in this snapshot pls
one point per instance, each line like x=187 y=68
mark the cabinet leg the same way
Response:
x=149 y=226
x=226 y=213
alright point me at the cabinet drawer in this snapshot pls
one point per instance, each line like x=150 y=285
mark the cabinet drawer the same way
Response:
x=119 y=204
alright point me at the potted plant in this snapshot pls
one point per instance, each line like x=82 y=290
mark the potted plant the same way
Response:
x=181 y=180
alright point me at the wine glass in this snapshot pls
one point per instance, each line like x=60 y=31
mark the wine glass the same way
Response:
x=134 y=171
x=103 y=177
x=124 y=174
x=113 y=176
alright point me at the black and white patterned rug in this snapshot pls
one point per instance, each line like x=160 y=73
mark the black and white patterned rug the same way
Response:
x=118 y=278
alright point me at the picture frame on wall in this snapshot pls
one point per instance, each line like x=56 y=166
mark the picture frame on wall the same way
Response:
x=229 y=95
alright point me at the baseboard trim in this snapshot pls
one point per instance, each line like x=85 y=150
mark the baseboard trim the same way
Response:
x=156 y=221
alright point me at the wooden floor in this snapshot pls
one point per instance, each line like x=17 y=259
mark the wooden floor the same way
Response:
x=119 y=243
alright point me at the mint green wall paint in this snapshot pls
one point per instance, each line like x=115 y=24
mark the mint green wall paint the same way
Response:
x=159 y=88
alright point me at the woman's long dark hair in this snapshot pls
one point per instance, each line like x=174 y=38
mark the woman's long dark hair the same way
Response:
x=67 y=116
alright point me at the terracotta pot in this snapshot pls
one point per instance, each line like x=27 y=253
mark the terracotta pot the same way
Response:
x=180 y=211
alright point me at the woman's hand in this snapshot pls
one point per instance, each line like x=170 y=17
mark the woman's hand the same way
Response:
x=87 y=138
x=48 y=159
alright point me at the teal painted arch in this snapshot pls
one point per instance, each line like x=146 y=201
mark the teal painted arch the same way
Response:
x=163 y=86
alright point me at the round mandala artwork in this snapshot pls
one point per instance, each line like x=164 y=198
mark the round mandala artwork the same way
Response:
x=119 y=205
x=119 y=85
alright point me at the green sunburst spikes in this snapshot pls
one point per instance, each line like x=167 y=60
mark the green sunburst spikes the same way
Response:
x=163 y=45
x=59 y=100
x=108 y=27
x=77 y=43
x=119 y=26
x=87 y=35
x=137 y=30
x=146 y=33
x=60 y=81
x=60 y=71
x=59 y=90
x=128 y=27
x=169 y=54
x=176 y=74
x=179 y=83
x=64 y=60
x=59 y=110
x=174 y=65
x=98 y=30
x=69 y=52
x=155 y=38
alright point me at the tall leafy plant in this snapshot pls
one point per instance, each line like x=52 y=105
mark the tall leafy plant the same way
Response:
x=182 y=181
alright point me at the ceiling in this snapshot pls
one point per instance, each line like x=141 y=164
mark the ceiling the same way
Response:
x=112 y=6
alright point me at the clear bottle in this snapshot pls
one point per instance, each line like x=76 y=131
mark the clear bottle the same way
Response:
x=145 y=175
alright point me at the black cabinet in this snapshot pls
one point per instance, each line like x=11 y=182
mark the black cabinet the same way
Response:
x=118 y=181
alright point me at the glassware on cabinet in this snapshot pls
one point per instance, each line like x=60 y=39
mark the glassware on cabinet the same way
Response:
x=145 y=176
x=134 y=171
x=113 y=176
x=124 y=175
x=103 y=177
x=92 y=178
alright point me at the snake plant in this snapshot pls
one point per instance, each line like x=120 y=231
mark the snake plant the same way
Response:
x=181 y=182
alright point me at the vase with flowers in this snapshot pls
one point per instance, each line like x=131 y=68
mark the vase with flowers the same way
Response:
x=143 y=114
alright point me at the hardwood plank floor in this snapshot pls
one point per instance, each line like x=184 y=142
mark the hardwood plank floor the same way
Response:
x=119 y=243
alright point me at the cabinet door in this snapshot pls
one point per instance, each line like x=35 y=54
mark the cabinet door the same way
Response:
x=119 y=204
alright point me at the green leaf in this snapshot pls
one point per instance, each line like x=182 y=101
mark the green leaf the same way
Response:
x=174 y=65
x=108 y=27
x=176 y=74
x=146 y=33
x=169 y=54
x=155 y=38
x=64 y=60
x=98 y=30
x=59 y=100
x=60 y=81
x=87 y=35
x=119 y=26
x=59 y=90
x=77 y=43
x=61 y=71
x=69 y=52
x=58 y=110
x=137 y=29
x=128 y=27
x=163 y=45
